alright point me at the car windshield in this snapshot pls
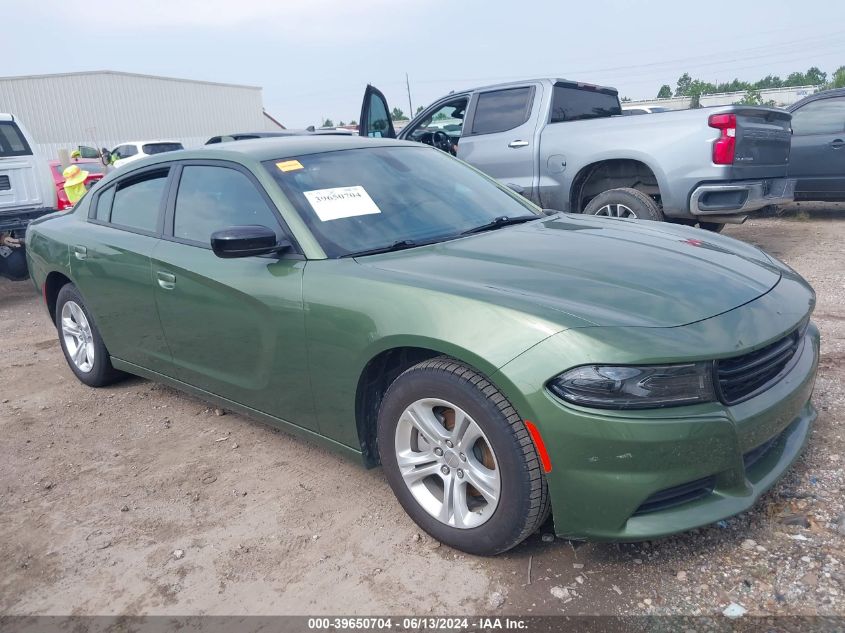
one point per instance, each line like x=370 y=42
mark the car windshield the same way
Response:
x=160 y=148
x=359 y=200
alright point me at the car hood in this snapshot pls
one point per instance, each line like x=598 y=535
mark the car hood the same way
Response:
x=575 y=270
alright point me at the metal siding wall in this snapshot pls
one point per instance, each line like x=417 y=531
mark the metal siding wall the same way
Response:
x=105 y=109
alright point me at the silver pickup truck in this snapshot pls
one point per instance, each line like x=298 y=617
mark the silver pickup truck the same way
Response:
x=563 y=145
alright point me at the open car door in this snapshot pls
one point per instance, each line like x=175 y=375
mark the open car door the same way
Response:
x=375 y=118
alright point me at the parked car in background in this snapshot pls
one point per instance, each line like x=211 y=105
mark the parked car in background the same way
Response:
x=95 y=170
x=245 y=136
x=638 y=378
x=818 y=146
x=126 y=153
x=561 y=144
x=630 y=110
x=27 y=190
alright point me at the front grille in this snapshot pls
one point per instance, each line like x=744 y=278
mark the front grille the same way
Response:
x=743 y=377
x=5 y=184
x=677 y=495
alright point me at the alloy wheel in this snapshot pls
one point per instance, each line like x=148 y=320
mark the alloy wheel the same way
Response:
x=79 y=341
x=447 y=463
x=616 y=210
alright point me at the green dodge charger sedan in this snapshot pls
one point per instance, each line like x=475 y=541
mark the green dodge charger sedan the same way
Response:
x=635 y=378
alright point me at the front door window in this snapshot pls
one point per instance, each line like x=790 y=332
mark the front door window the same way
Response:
x=442 y=126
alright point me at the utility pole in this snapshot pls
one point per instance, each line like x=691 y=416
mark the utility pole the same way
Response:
x=410 y=105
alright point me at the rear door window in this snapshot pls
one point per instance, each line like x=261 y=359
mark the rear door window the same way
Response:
x=502 y=110
x=825 y=116
x=12 y=141
x=138 y=201
x=570 y=103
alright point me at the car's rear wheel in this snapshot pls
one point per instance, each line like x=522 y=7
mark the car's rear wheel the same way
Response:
x=624 y=203
x=459 y=458
x=83 y=347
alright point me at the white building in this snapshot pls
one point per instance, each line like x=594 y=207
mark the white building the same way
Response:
x=106 y=108
x=781 y=96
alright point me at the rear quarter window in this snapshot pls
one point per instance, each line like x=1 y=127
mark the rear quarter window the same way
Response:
x=12 y=141
x=576 y=104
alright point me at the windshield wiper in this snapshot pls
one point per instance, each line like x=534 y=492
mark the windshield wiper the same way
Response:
x=396 y=246
x=499 y=222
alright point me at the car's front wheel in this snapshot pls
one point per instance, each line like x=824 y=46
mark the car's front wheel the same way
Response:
x=83 y=347
x=460 y=459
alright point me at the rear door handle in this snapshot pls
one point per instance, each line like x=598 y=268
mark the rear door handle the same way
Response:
x=166 y=280
x=80 y=252
x=837 y=143
x=517 y=143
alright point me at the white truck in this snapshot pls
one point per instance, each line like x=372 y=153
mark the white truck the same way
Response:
x=27 y=189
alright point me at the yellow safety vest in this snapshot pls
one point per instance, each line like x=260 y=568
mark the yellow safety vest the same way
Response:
x=75 y=192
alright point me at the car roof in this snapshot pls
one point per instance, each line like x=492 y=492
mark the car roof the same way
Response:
x=546 y=80
x=74 y=161
x=824 y=94
x=262 y=149
x=281 y=146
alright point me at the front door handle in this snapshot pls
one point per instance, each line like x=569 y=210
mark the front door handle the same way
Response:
x=80 y=252
x=837 y=143
x=166 y=280
x=517 y=143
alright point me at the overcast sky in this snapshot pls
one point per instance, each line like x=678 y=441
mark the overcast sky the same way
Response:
x=314 y=57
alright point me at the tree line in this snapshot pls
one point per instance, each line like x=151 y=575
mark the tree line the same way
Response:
x=686 y=86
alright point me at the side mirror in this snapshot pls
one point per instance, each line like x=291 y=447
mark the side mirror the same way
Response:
x=246 y=241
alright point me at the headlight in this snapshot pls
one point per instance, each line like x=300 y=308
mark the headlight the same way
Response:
x=646 y=387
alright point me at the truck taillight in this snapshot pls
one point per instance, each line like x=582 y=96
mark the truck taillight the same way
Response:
x=724 y=146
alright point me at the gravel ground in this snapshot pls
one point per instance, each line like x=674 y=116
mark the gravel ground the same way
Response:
x=137 y=499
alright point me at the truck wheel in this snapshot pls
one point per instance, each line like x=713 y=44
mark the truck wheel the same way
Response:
x=711 y=226
x=83 y=347
x=460 y=459
x=624 y=203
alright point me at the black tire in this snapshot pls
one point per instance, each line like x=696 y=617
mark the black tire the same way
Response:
x=716 y=227
x=642 y=207
x=523 y=503
x=101 y=373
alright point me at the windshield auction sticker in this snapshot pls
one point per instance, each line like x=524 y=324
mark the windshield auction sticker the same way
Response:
x=341 y=202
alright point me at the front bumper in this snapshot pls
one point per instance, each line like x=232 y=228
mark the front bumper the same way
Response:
x=608 y=465
x=740 y=197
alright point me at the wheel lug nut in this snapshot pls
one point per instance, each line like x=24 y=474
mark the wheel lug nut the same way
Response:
x=463 y=457
x=460 y=474
x=449 y=443
x=438 y=451
x=445 y=470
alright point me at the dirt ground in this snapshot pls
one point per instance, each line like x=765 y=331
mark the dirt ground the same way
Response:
x=138 y=499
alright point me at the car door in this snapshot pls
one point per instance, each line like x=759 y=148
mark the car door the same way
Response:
x=110 y=264
x=375 y=120
x=500 y=136
x=817 y=157
x=235 y=327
